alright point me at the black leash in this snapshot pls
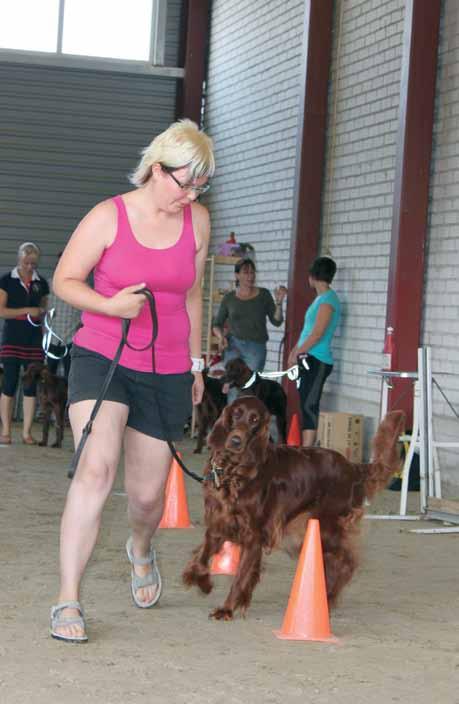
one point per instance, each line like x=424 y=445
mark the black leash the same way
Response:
x=125 y=324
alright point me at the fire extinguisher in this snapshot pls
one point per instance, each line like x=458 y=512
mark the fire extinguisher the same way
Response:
x=388 y=350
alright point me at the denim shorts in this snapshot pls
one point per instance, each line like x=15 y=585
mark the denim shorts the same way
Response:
x=159 y=404
x=253 y=353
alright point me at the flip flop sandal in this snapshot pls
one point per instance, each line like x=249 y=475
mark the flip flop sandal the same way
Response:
x=29 y=441
x=5 y=439
x=57 y=621
x=152 y=578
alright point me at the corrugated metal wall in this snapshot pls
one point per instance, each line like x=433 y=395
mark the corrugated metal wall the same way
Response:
x=68 y=138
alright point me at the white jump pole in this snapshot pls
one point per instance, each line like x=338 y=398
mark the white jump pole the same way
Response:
x=413 y=443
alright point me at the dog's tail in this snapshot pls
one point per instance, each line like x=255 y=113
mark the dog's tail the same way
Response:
x=386 y=453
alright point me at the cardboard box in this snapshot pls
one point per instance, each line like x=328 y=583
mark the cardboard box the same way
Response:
x=342 y=432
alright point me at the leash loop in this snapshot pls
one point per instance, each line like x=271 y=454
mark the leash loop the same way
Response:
x=49 y=334
x=292 y=372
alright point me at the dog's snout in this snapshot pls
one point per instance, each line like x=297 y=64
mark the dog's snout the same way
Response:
x=236 y=441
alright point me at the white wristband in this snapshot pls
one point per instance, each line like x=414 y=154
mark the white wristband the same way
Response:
x=197 y=364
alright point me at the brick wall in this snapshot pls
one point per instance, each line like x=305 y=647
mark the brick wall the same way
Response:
x=252 y=114
x=359 y=185
x=440 y=327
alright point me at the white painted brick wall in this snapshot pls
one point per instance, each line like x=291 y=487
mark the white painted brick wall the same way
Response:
x=359 y=184
x=440 y=327
x=252 y=115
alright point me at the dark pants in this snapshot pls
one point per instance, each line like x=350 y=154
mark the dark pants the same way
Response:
x=310 y=389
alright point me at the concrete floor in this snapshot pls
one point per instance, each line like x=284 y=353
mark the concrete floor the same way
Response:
x=397 y=623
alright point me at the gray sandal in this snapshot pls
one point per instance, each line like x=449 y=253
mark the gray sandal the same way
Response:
x=152 y=578
x=58 y=621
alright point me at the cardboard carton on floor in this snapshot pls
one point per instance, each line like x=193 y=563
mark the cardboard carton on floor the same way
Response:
x=342 y=432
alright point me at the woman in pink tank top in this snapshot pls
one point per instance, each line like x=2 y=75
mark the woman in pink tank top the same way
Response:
x=155 y=236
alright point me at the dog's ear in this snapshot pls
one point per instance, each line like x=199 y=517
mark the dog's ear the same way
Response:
x=32 y=370
x=257 y=447
x=222 y=426
x=45 y=374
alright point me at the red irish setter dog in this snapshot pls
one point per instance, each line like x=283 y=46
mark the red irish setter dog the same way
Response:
x=260 y=496
x=212 y=404
x=52 y=397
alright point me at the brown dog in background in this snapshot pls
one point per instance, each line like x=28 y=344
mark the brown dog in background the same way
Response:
x=260 y=496
x=240 y=376
x=207 y=412
x=52 y=397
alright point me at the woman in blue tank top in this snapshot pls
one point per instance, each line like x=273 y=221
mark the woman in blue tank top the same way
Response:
x=320 y=322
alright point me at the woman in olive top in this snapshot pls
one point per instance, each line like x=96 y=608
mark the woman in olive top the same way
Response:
x=246 y=310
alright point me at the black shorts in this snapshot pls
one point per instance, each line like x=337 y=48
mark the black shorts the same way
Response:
x=311 y=384
x=159 y=404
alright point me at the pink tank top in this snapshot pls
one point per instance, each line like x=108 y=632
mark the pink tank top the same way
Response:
x=169 y=273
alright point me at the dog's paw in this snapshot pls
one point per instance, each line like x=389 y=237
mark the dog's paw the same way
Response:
x=222 y=614
x=193 y=577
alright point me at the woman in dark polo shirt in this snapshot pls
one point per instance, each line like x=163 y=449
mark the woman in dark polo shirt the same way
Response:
x=22 y=301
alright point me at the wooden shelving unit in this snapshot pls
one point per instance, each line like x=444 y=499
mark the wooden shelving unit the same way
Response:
x=212 y=297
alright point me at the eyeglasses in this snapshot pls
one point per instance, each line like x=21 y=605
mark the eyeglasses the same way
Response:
x=186 y=186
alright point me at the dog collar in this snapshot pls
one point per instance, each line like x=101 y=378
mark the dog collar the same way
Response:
x=215 y=474
x=251 y=381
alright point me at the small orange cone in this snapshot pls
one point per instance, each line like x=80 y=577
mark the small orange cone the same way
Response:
x=294 y=433
x=227 y=560
x=307 y=617
x=176 y=514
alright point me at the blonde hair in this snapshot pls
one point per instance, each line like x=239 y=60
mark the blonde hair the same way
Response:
x=27 y=248
x=182 y=144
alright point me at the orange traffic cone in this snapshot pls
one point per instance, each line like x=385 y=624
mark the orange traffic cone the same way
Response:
x=294 y=433
x=176 y=514
x=307 y=617
x=227 y=560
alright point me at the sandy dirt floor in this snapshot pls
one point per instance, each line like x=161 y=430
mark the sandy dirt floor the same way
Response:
x=397 y=623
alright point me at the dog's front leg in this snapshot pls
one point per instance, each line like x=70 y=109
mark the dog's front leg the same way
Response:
x=46 y=419
x=245 y=581
x=282 y=430
x=59 y=412
x=197 y=570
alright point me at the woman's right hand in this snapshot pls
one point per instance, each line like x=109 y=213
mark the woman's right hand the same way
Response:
x=34 y=311
x=222 y=343
x=126 y=303
x=292 y=356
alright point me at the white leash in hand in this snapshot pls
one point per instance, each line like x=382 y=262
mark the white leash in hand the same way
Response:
x=49 y=334
x=292 y=372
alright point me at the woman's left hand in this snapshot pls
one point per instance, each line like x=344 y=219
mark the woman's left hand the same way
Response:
x=279 y=294
x=197 y=389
